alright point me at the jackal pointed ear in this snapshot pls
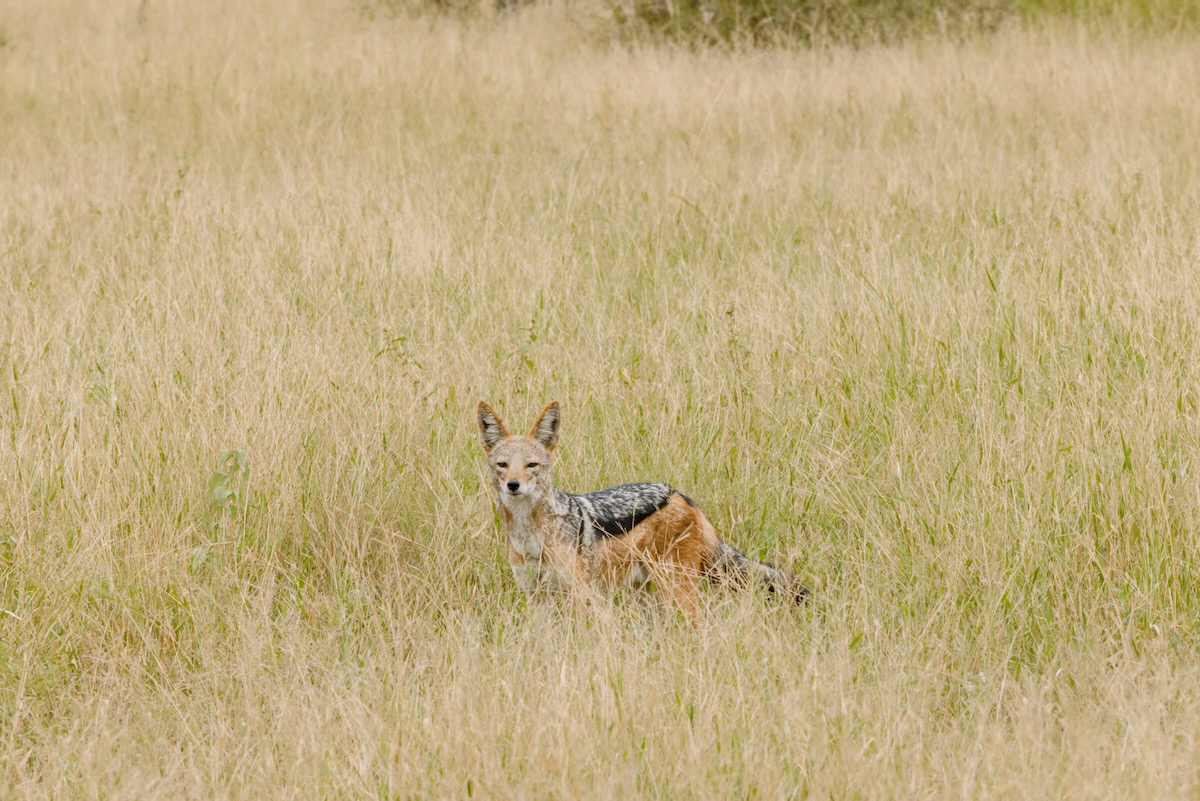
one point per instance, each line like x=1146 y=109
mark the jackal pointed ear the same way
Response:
x=491 y=427
x=545 y=430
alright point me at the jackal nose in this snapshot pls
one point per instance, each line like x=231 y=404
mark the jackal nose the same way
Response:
x=513 y=486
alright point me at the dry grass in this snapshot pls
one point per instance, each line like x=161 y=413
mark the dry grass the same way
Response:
x=921 y=322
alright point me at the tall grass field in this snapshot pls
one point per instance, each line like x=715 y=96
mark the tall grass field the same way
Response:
x=920 y=322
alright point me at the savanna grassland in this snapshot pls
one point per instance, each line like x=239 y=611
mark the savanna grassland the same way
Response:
x=921 y=322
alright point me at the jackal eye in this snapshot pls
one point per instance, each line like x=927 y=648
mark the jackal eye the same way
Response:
x=531 y=465
x=502 y=465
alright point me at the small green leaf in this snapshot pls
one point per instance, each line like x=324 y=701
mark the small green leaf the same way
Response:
x=198 y=557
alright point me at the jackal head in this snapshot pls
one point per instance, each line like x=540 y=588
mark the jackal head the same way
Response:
x=519 y=465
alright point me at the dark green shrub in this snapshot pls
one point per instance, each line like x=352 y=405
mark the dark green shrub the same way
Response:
x=808 y=21
x=790 y=22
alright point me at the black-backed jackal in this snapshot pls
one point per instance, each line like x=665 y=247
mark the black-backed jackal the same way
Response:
x=629 y=534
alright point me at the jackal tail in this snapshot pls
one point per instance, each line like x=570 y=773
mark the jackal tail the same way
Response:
x=730 y=566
